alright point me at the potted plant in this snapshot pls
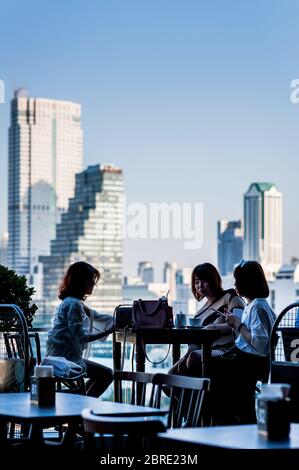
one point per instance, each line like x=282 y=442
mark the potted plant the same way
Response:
x=14 y=290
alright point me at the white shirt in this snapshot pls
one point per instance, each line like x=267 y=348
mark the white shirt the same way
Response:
x=258 y=317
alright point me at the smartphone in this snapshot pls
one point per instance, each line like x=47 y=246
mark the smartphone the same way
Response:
x=220 y=314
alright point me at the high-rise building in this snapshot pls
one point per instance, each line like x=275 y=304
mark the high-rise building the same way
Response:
x=45 y=153
x=263 y=226
x=146 y=271
x=91 y=231
x=3 y=249
x=230 y=245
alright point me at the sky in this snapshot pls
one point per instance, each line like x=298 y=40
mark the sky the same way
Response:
x=190 y=97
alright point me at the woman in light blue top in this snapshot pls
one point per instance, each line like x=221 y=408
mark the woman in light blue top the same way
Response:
x=238 y=369
x=71 y=330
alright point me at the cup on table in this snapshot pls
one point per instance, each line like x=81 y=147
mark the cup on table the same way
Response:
x=196 y=322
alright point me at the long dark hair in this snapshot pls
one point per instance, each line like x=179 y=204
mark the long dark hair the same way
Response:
x=77 y=279
x=251 y=281
x=207 y=272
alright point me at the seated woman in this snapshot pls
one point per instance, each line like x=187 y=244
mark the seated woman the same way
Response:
x=206 y=283
x=236 y=372
x=72 y=323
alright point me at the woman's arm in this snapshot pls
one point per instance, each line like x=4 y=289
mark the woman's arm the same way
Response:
x=255 y=333
x=222 y=327
x=75 y=313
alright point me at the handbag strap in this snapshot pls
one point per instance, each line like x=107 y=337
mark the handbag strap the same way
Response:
x=160 y=301
x=146 y=356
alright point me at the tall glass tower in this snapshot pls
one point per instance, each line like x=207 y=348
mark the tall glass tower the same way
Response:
x=230 y=245
x=263 y=226
x=92 y=231
x=45 y=153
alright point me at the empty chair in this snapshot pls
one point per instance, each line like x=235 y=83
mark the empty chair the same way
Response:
x=131 y=387
x=186 y=398
x=284 y=349
x=128 y=434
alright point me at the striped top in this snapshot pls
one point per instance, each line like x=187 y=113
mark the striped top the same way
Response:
x=230 y=300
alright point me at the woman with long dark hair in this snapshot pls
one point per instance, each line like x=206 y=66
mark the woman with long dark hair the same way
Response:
x=72 y=324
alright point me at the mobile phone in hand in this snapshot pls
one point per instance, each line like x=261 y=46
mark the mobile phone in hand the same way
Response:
x=220 y=314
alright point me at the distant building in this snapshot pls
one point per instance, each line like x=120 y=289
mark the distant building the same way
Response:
x=146 y=271
x=169 y=278
x=45 y=153
x=284 y=289
x=91 y=231
x=3 y=249
x=185 y=301
x=230 y=245
x=263 y=226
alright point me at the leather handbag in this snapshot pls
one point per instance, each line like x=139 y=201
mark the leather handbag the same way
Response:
x=152 y=314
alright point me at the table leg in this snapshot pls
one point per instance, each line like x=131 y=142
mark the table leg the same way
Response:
x=116 y=354
x=206 y=359
x=140 y=355
x=3 y=433
x=140 y=364
x=116 y=366
x=176 y=353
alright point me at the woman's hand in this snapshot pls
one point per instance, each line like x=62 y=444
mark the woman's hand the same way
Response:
x=109 y=330
x=231 y=320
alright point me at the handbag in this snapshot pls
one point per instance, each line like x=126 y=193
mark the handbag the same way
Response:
x=152 y=314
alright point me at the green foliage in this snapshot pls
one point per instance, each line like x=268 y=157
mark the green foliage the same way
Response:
x=14 y=290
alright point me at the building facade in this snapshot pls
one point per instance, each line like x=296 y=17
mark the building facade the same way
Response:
x=92 y=231
x=263 y=225
x=146 y=271
x=3 y=249
x=284 y=289
x=230 y=245
x=45 y=153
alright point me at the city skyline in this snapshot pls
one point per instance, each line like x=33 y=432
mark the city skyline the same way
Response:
x=190 y=103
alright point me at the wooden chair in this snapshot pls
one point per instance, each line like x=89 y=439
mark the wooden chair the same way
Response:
x=119 y=434
x=131 y=387
x=284 y=354
x=186 y=398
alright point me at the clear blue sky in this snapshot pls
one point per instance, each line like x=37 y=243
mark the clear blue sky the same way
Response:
x=189 y=97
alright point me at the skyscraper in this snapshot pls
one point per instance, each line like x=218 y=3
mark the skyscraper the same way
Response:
x=230 y=245
x=263 y=226
x=3 y=249
x=45 y=153
x=91 y=231
x=146 y=271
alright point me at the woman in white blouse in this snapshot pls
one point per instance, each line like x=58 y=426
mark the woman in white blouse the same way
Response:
x=239 y=368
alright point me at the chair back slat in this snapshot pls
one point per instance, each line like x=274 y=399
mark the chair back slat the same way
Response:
x=186 y=398
x=135 y=394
